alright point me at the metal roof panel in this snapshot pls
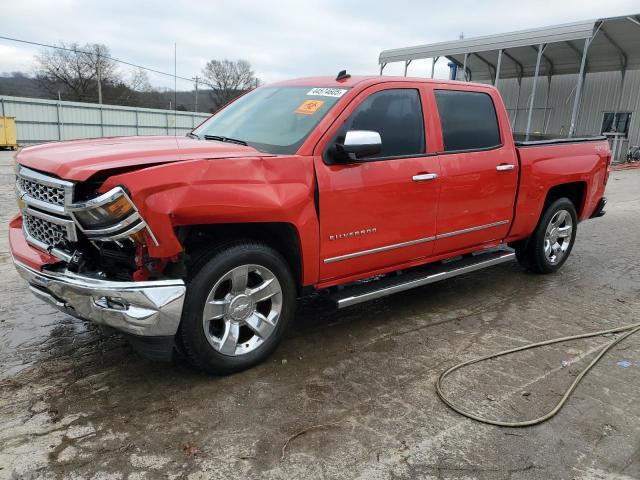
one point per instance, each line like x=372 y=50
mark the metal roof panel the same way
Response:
x=615 y=45
x=536 y=36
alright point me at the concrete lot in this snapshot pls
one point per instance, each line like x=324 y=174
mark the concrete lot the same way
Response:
x=357 y=385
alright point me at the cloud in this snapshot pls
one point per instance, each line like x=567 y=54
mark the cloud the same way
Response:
x=281 y=39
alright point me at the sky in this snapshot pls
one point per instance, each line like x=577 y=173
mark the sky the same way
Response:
x=281 y=39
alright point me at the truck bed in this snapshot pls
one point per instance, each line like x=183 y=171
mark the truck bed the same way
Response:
x=581 y=163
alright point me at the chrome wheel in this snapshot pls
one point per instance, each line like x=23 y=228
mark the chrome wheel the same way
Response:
x=242 y=310
x=558 y=236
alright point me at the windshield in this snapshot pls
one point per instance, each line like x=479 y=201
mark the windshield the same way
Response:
x=272 y=119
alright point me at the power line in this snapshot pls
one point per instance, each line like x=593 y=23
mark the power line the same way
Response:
x=94 y=53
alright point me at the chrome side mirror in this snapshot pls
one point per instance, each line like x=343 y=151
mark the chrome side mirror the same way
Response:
x=359 y=144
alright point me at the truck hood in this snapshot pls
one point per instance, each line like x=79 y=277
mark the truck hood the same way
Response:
x=80 y=159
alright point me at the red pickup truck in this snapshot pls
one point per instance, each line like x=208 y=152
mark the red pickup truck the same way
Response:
x=204 y=242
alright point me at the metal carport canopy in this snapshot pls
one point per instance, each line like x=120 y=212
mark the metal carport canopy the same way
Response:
x=600 y=45
x=615 y=46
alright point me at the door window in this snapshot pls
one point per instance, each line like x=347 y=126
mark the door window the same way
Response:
x=396 y=115
x=468 y=119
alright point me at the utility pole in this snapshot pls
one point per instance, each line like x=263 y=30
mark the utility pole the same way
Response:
x=58 y=110
x=195 y=107
x=175 y=85
x=99 y=69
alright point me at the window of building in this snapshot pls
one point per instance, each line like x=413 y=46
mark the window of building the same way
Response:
x=616 y=122
x=468 y=119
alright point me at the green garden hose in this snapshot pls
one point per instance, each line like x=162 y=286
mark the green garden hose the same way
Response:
x=630 y=329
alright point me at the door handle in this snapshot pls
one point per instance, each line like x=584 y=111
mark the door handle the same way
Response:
x=424 y=176
x=505 y=167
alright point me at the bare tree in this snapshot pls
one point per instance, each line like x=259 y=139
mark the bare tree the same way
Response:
x=139 y=81
x=73 y=70
x=130 y=91
x=228 y=79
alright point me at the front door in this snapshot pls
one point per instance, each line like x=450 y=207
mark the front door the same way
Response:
x=380 y=211
x=479 y=172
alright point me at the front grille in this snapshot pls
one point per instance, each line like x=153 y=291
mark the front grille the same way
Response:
x=44 y=231
x=43 y=193
x=46 y=223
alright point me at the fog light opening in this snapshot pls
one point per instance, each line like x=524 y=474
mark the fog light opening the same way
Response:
x=112 y=303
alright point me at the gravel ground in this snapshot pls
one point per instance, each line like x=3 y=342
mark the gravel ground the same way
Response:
x=350 y=394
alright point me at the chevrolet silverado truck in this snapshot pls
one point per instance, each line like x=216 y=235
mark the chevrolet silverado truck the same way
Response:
x=356 y=186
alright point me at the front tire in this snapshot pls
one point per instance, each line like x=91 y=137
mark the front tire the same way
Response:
x=552 y=241
x=237 y=307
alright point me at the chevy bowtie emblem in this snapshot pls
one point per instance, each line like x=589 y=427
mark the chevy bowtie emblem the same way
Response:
x=355 y=233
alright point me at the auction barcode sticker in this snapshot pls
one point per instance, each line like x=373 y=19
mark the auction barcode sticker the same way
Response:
x=327 y=92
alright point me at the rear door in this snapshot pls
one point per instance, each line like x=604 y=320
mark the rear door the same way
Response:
x=380 y=211
x=479 y=169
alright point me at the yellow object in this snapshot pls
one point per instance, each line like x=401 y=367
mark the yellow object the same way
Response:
x=119 y=207
x=309 y=107
x=8 y=132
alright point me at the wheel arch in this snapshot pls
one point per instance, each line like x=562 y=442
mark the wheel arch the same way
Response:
x=574 y=191
x=283 y=237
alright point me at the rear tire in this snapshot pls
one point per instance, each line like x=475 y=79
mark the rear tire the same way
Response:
x=237 y=307
x=552 y=241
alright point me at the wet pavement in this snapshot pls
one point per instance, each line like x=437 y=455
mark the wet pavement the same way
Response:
x=349 y=394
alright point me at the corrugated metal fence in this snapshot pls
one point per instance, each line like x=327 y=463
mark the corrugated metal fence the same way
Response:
x=39 y=121
x=603 y=92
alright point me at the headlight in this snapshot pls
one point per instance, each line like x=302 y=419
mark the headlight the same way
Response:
x=105 y=214
x=111 y=216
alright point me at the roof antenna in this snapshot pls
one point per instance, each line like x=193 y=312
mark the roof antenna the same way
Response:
x=343 y=75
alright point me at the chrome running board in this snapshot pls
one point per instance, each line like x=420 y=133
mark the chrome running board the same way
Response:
x=362 y=292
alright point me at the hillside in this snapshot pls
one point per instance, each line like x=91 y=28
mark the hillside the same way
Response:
x=20 y=85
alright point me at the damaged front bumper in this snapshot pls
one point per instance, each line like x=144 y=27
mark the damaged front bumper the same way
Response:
x=142 y=309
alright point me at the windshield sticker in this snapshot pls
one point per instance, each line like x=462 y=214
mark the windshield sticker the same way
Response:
x=309 y=107
x=327 y=92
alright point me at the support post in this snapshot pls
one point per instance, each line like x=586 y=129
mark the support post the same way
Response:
x=614 y=149
x=515 y=114
x=195 y=107
x=499 y=64
x=623 y=76
x=382 y=65
x=101 y=122
x=576 y=100
x=406 y=66
x=490 y=66
x=546 y=118
x=618 y=108
x=433 y=66
x=464 y=67
x=168 y=113
x=99 y=72
x=175 y=87
x=533 y=90
x=517 y=63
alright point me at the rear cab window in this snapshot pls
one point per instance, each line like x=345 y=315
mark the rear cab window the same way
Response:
x=468 y=120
